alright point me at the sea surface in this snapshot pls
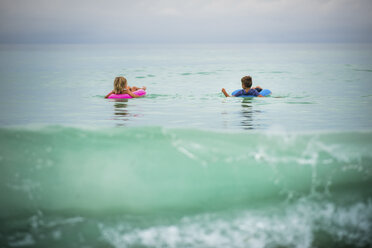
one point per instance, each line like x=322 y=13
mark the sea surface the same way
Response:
x=185 y=166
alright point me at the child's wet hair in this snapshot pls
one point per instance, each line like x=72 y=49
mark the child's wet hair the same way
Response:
x=247 y=81
x=120 y=84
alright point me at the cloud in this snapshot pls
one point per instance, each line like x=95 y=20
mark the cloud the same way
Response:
x=185 y=21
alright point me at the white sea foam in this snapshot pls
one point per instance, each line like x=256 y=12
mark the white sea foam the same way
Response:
x=295 y=226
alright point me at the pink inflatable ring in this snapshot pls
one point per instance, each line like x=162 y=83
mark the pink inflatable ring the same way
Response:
x=139 y=92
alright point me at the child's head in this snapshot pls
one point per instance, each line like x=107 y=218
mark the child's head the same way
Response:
x=246 y=82
x=120 y=84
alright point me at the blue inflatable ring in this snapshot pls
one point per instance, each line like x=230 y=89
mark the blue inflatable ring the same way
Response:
x=264 y=92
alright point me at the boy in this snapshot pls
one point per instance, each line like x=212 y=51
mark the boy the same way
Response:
x=247 y=90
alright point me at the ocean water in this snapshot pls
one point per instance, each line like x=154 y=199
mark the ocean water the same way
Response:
x=186 y=166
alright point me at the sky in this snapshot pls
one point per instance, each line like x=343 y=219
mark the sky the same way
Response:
x=185 y=21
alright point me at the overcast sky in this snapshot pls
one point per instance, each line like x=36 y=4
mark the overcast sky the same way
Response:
x=147 y=21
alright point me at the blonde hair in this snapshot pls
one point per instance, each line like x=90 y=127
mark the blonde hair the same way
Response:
x=120 y=85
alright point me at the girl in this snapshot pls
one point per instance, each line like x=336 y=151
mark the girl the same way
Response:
x=121 y=87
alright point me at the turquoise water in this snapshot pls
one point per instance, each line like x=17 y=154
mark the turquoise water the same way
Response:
x=185 y=166
x=315 y=86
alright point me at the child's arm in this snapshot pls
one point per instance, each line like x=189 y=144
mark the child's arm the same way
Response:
x=258 y=87
x=134 y=88
x=259 y=95
x=109 y=94
x=131 y=94
x=224 y=92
